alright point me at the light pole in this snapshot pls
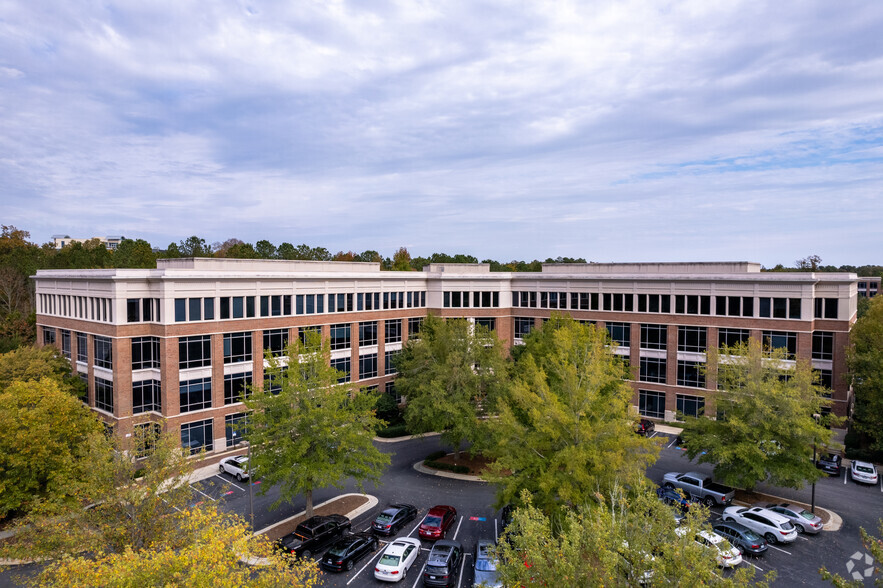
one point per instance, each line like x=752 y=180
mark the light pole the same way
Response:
x=812 y=507
x=251 y=488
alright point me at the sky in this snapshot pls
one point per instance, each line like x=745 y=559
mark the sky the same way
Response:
x=613 y=131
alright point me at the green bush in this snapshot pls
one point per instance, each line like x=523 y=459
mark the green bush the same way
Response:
x=457 y=469
x=435 y=455
x=394 y=431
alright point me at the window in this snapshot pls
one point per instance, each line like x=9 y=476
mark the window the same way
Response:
x=340 y=336
x=826 y=308
x=391 y=390
x=195 y=305
x=340 y=303
x=651 y=404
x=525 y=299
x=146 y=435
x=692 y=304
x=275 y=341
x=235 y=428
x=492 y=299
x=307 y=334
x=271 y=384
x=692 y=339
x=367 y=366
x=660 y=303
x=48 y=336
x=82 y=347
x=653 y=336
x=196 y=394
x=781 y=340
x=342 y=365
x=620 y=333
x=103 y=394
x=826 y=379
x=146 y=396
x=194 y=351
x=66 y=343
x=208 y=308
x=237 y=347
x=523 y=326
x=554 y=299
x=393 y=330
x=389 y=367
x=367 y=333
x=620 y=302
x=690 y=373
x=779 y=308
x=732 y=337
x=145 y=353
x=180 y=310
x=236 y=387
x=197 y=436
x=490 y=323
x=653 y=369
x=133 y=307
x=103 y=352
x=414 y=324
x=690 y=405
x=822 y=345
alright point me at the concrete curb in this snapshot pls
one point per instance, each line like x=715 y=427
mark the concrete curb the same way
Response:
x=405 y=438
x=464 y=477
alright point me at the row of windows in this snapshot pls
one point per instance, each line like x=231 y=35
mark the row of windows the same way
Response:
x=90 y=308
x=471 y=299
x=652 y=404
x=142 y=310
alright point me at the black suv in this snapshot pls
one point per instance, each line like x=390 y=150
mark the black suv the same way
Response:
x=394 y=518
x=830 y=463
x=443 y=563
x=746 y=540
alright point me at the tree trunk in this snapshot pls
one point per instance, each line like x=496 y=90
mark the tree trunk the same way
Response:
x=309 y=496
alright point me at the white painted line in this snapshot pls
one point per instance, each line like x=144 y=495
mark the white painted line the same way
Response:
x=751 y=564
x=496 y=536
x=420 y=522
x=370 y=562
x=653 y=435
x=802 y=537
x=778 y=549
x=462 y=566
x=226 y=481
x=672 y=442
x=458 y=527
x=419 y=576
x=203 y=493
x=844 y=477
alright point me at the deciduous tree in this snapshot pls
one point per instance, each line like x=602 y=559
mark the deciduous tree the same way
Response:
x=865 y=359
x=29 y=363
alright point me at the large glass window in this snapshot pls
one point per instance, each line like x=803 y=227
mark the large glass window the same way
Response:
x=523 y=326
x=781 y=340
x=305 y=334
x=197 y=436
x=235 y=428
x=66 y=343
x=340 y=336
x=414 y=324
x=145 y=353
x=822 y=345
x=194 y=351
x=367 y=333
x=620 y=333
x=653 y=369
x=651 y=403
x=275 y=341
x=367 y=366
x=691 y=373
x=826 y=308
x=82 y=347
x=393 y=330
x=196 y=394
x=692 y=339
x=146 y=396
x=180 y=310
x=490 y=323
x=653 y=336
x=103 y=352
x=236 y=387
x=237 y=347
x=48 y=336
x=389 y=367
x=731 y=337
x=343 y=365
x=146 y=436
x=690 y=405
x=104 y=394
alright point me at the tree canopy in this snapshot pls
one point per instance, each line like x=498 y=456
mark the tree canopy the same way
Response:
x=29 y=363
x=865 y=359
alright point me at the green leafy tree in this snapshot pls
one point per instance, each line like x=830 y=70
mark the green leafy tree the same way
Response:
x=265 y=249
x=401 y=260
x=874 y=545
x=314 y=432
x=134 y=254
x=29 y=363
x=45 y=443
x=369 y=255
x=286 y=251
x=241 y=251
x=171 y=252
x=194 y=247
x=766 y=428
x=865 y=359
x=451 y=376
x=564 y=430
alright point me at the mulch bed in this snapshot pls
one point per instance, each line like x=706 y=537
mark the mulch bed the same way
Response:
x=340 y=505
x=476 y=464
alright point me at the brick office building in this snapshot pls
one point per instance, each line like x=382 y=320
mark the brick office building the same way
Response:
x=180 y=341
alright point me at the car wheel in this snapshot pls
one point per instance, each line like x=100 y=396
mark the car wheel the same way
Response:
x=800 y=529
x=709 y=501
x=376 y=545
x=405 y=573
x=770 y=538
x=239 y=477
x=726 y=519
x=306 y=554
x=349 y=565
x=221 y=468
x=669 y=485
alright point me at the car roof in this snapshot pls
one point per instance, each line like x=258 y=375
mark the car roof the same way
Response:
x=732 y=525
x=863 y=463
x=772 y=515
x=398 y=546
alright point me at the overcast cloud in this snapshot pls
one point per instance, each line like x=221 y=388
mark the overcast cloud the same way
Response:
x=614 y=131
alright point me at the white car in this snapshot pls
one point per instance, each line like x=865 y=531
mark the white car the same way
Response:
x=862 y=471
x=774 y=527
x=725 y=554
x=396 y=559
x=235 y=466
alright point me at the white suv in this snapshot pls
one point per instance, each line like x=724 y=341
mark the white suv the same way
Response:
x=774 y=527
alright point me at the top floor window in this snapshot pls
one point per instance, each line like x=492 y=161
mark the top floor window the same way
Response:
x=237 y=307
x=621 y=302
x=826 y=308
x=779 y=308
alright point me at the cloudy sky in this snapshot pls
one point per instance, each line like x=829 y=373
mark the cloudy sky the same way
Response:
x=610 y=130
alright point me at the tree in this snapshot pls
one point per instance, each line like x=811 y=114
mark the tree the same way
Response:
x=171 y=252
x=810 y=263
x=614 y=540
x=874 y=545
x=564 y=431
x=865 y=360
x=265 y=249
x=134 y=254
x=286 y=251
x=207 y=549
x=45 y=442
x=369 y=255
x=27 y=364
x=766 y=428
x=451 y=376
x=194 y=247
x=401 y=260
x=311 y=432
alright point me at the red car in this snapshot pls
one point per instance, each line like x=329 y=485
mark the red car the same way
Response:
x=437 y=521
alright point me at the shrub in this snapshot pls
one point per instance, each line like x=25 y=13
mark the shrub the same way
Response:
x=393 y=431
x=457 y=469
x=435 y=455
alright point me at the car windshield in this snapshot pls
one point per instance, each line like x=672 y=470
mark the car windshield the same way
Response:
x=389 y=560
x=485 y=565
x=384 y=518
x=864 y=469
x=432 y=521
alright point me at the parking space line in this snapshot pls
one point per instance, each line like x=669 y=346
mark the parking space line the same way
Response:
x=462 y=567
x=496 y=536
x=844 y=477
x=203 y=493
x=370 y=562
x=224 y=480
x=654 y=434
x=457 y=532
x=672 y=442
x=778 y=549
x=802 y=537
x=419 y=576
x=758 y=568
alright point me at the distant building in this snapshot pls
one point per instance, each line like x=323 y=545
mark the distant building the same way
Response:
x=64 y=240
x=181 y=342
x=868 y=287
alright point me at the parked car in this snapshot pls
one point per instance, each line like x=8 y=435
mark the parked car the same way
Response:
x=392 y=519
x=830 y=463
x=743 y=538
x=645 y=427
x=674 y=497
x=443 y=564
x=700 y=487
x=724 y=553
x=485 y=565
x=774 y=527
x=862 y=471
x=437 y=521
x=803 y=520
x=397 y=559
x=236 y=466
x=314 y=534
x=346 y=551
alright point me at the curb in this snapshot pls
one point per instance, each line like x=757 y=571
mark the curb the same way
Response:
x=405 y=438
x=464 y=477
x=372 y=502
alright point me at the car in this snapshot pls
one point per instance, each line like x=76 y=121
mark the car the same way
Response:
x=645 y=427
x=443 y=564
x=347 y=550
x=803 y=520
x=724 y=553
x=437 y=521
x=863 y=472
x=485 y=565
x=397 y=559
x=313 y=534
x=743 y=538
x=393 y=518
x=771 y=525
x=236 y=466
x=830 y=463
x=674 y=497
